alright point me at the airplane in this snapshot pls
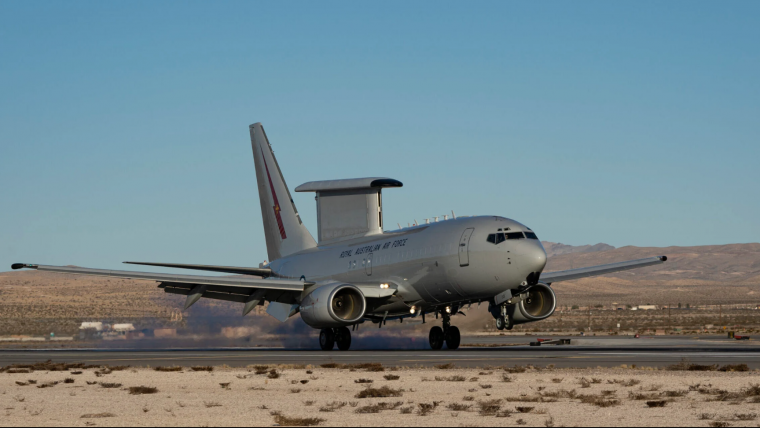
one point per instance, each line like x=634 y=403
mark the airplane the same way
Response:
x=357 y=272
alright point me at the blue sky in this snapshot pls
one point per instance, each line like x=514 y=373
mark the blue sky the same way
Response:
x=124 y=125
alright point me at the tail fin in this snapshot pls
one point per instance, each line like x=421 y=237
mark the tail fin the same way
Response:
x=284 y=230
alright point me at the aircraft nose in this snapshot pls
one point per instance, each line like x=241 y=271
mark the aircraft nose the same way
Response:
x=535 y=256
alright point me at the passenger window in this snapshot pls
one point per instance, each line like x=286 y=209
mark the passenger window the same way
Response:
x=531 y=235
x=492 y=238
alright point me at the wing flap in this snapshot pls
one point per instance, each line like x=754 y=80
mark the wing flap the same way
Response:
x=240 y=282
x=224 y=269
x=587 y=272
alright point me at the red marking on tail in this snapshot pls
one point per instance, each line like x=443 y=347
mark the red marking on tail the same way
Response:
x=276 y=201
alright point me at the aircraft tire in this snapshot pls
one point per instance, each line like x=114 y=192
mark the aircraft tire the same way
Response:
x=343 y=338
x=501 y=323
x=453 y=338
x=326 y=339
x=436 y=338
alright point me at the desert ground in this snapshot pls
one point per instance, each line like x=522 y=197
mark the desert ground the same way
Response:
x=369 y=394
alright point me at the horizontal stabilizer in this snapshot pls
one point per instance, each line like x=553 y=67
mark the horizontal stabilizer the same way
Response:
x=226 y=269
x=569 y=275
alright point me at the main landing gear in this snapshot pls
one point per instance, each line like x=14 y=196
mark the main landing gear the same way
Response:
x=448 y=334
x=328 y=337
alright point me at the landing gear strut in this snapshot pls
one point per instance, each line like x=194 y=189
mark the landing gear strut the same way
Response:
x=328 y=337
x=448 y=334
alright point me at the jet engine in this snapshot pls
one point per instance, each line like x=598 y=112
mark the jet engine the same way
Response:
x=537 y=304
x=333 y=305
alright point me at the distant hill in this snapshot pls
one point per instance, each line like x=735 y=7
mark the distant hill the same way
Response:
x=556 y=249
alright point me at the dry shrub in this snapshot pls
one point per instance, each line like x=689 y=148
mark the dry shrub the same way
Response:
x=68 y=380
x=97 y=416
x=625 y=383
x=675 y=394
x=364 y=381
x=525 y=399
x=719 y=424
x=282 y=420
x=504 y=414
x=168 y=369
x=110 y=385
x=331 y=407
x=468 y=398
x=391 y=377
x=643 y=397
x=225 y=385
x=406 y=410
x=76 y=373
x=515 y=370
x=734 y=368
x=22 y=383
x=745 y=416
x=598 y=400
x=304 y=382
x=379 y=407
x=91 y=383
x=707 y=416
x=657 y=403
x=450 y=379
x=47 y=385
x=448 y=366
x=752 y=391
x=273 y=374
x=557 y=380
x=295 y=391
x=485 y=386
x=117 y=368
x=505 y=378
x=383 y=392
x=489 y=408
x=524 y=409
x=141 y=390
x=211 y=404
x=425 y=408
x=562 y=393
x=202 y=369
x=456 y=407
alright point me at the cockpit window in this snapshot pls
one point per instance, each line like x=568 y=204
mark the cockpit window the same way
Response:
x=498 y=238
x=531 y=235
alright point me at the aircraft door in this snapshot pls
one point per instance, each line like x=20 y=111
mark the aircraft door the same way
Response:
x=368 y=266
x=464 y=247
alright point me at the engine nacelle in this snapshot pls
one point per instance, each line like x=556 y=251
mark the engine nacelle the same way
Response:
x=333 y=305
x=539 y=304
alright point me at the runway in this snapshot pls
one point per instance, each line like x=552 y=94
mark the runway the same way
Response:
x=584 y=353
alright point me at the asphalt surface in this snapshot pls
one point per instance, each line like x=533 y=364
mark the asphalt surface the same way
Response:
x=488 y=351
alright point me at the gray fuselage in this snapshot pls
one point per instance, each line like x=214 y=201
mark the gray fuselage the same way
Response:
x=430 y=265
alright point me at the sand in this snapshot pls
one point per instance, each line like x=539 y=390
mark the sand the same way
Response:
x=202 y=399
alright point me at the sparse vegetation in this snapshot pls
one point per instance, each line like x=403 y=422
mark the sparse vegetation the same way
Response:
x=202 y=369
x=657 y=403
x=379 y=407
x=450 y=379
x=142 y=390
x=97 y=416
x=383 y=392
x=361 y=381
x=331 y=407
x=489 y=408
x=426 y=409
x=282 y=420
x=391 y=377
x=110 y=385
x=168 y=369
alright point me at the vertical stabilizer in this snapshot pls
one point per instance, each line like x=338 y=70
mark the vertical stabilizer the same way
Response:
x=285 y=232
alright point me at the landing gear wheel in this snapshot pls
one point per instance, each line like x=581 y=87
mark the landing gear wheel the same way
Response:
x=436 y=338
x=510 y=324
x=343 y=338
x=326 y=339
x=501 y=323
x=452 y=338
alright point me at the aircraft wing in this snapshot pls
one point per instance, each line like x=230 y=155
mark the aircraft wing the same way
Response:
x=569 y=275
x=243 y=289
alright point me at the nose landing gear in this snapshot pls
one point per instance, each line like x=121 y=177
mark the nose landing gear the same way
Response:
x=328 y=337
x=504 y=321
x=448 y=334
